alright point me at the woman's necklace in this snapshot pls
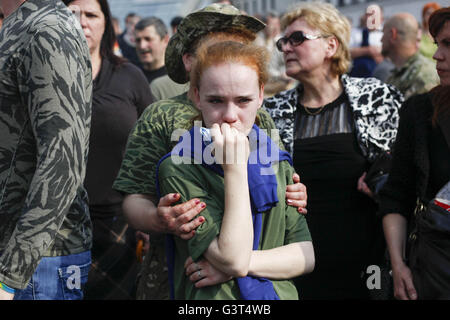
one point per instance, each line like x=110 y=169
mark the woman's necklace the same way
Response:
x=319 y=110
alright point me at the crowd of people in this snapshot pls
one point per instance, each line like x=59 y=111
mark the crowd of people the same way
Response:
x=228 y=157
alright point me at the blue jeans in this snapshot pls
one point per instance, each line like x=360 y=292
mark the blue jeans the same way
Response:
x=58 y=278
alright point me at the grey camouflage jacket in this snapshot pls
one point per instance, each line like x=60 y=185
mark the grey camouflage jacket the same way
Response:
x=418 y=75
x=45 y=110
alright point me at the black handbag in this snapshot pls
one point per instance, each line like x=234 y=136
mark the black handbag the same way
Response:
x=429 y=251
x=378 y=173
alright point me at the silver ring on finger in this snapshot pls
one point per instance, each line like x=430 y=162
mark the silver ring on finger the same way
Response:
x=199 y=274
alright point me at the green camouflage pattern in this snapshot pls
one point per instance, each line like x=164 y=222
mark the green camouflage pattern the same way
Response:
x=215 y=17
x=427 y=46
x=45 y=112
x=418 y=75
x=149 y=141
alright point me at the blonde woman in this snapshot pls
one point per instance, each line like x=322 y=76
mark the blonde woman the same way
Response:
x=335 y=127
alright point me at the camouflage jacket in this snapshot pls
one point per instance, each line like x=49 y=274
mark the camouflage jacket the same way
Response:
x=418 y=75
x=45 y=112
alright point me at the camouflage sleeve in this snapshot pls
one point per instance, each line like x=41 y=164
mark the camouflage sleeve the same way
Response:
x=52 y=78
x=422 y=84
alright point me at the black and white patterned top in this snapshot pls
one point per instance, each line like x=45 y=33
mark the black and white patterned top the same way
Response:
x=374 y=104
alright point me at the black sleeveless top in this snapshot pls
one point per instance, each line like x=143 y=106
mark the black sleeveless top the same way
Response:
x=340 y=218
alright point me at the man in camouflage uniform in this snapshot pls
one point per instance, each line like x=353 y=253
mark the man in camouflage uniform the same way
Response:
x=45 y=112
x=413 y=73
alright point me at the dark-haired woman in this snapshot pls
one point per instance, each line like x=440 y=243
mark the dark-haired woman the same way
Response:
x=120 y=95
x=421 y=167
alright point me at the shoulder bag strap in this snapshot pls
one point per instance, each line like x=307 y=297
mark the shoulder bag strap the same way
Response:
x=444 y=124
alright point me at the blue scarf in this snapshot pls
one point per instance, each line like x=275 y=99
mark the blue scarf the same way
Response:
x=263 y=196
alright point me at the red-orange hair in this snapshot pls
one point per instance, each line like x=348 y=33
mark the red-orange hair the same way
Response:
x=430 y=5
x=232 y=34
x=250 y=55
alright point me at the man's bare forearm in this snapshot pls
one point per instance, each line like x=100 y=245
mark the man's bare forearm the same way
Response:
x=140 y=211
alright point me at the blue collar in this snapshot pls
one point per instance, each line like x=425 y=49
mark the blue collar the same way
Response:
x=262 y=188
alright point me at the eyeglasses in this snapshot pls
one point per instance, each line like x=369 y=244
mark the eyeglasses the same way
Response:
x=295 y=39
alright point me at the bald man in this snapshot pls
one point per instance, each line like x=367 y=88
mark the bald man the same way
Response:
x=413 y=73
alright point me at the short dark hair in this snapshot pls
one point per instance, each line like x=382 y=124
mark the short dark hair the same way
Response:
x=130 y=15
x=176 y=21
x=441 y=94
x=160 y=26
x=437 y=20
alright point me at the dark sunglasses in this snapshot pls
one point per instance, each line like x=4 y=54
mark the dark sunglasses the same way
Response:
x=295 y=39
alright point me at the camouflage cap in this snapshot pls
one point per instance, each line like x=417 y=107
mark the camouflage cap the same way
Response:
x=215 y=17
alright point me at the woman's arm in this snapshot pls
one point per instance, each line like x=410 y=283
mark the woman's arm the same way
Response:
x=284 y=262
x=231 y=250
x=395 y=231
x=397 y=197
x=394 y=226
x=281 y=263
x=292 y=257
